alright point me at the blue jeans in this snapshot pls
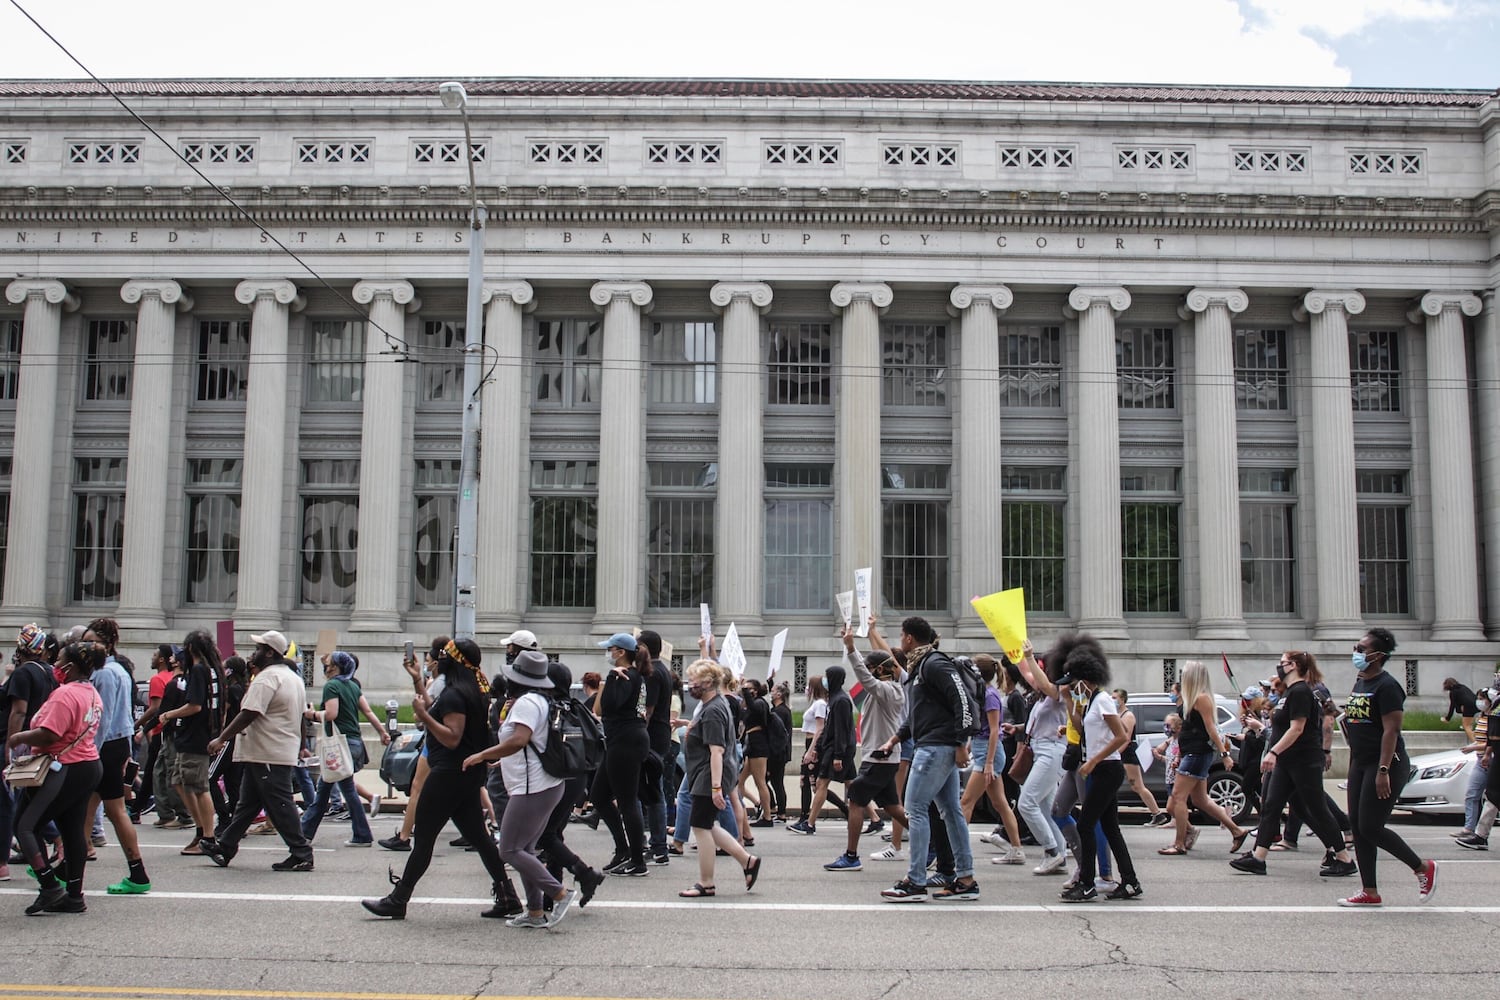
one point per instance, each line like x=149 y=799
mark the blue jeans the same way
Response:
x=1039 y=792
x=359 y=823
x=1474 y=793
x=933 y=780
x=680 y=832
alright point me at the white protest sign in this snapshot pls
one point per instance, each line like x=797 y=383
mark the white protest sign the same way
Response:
x=846 y=607
x=733 y=654
x=706 y=625
x=778 y=650
x=862 y=599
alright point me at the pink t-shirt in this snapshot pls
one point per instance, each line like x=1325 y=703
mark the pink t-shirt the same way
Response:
x=70 y=710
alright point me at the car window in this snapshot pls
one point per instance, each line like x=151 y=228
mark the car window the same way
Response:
x=1151 y=716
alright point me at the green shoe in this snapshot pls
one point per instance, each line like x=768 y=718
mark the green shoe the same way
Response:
x=129 y=887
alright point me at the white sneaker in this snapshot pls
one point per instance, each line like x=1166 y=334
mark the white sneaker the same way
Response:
x=1052 y=864
x=375 y=805
x=1014 y=856
x=889 y=854
x=995 y=838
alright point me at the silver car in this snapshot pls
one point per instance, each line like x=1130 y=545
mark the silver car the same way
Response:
x=1438 y=782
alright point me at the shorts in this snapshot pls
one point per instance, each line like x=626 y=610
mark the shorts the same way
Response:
x=1196 y=765
x=978 y=747
x=190 y=770
x=825 y=771
x=908 y=750
x=704 y=813
x=876 y=783
x=112 y=758
x=757 y=745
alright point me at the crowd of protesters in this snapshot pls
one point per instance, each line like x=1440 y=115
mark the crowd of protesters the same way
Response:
x=689 y=762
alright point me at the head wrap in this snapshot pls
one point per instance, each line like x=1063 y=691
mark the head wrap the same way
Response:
x=454 y=653
x=345 y=664
x=31 y=638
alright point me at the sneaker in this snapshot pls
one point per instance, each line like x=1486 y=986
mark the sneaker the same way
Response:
x=1339 y=869
x=293 y=864
x=68 y=904
x=995 y=838
x=939 y=880
x=1473 y=842
x=965 y=891
x=528 y=922
x=218 y=853
x=173 y=823
x=801 y=827
x=375 y=805
x=1051 y=864
x=46 y=899
x=359 y=843
x=1079 y=894
x=1461 y=833
x=873 y=826
x=886 y=836
x=129 y=887
x=1362 y=898
x=1126 y=890
x=1160 y=819
x=97 y=839
x=4 y=869
x=905 y=891
x=1427 y=881
x=619 y=861
x=1105 y=883
x=561 y=906
x=844 y=863
x=262 y=829
x=889 y=854
x=630 y=870
x=1249 y=864
x=588 y=883
x=1012 y=856
x=395 y=843
x=762 y=824
x=659 y=859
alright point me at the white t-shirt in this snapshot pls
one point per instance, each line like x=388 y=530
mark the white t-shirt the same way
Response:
x=1096 y=732
x=817 y=710
x=522 y=771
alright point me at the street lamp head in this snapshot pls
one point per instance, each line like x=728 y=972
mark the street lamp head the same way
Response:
x=453 y=96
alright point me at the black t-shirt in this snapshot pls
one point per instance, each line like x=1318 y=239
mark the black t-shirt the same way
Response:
x=1461 y=701
x=1299 y=703
x=476 y=734
x=1368 y=703
x=171 y=697
x=200 y=686
x=659 y=704
x=33 y=683
x=624 y=696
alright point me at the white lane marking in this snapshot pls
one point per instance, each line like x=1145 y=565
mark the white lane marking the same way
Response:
x=278 y=847
x=605 y=904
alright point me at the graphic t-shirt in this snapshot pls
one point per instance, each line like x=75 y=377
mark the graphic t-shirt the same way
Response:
x=200 y=686
x=172 y=694
x=523 y=772
x=1368 y=703
x=73 y=712
x=1299 y=702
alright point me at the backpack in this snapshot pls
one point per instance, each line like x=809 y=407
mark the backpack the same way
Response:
x=575 y=742
x=972 y=687
x=776 y=734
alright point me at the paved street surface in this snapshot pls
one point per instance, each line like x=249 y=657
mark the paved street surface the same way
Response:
x=1201 y=930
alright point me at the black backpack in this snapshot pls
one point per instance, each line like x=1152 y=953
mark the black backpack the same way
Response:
x=575 y=742
x=972 y=686
x=776 y=734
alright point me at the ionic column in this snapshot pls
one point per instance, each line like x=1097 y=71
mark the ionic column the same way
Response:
x=382 y=434
x=1487 y=404
x=979 y=457
x=1451 y=459
x=144 y=549
x=739 y=528
x=1101 y=596
x=263 y=486
x=857 y=434
x=1216 y=465
x=36 y=421
x=1335 y=511
x=499 y=600
x=618 y=601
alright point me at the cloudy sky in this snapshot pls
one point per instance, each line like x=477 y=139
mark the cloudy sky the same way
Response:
x=1365 y=43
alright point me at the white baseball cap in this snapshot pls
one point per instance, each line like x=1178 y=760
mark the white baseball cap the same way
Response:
x=522 y=638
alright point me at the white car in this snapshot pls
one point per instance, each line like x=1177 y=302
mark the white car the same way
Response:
x=1437 y=783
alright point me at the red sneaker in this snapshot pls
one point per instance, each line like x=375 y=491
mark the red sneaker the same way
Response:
x=1427 y=881
x=1362 y=898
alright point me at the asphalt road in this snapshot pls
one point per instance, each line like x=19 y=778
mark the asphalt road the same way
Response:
x=1201 y=930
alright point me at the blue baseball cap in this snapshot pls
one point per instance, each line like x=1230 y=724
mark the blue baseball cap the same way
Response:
x=623 y=640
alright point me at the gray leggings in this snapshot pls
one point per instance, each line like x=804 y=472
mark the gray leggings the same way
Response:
x=522 y=825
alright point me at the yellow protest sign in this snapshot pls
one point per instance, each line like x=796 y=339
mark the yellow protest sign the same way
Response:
x=1004 y=614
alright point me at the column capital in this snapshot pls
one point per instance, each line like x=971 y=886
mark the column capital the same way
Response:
x=50 y=289
x=398 y=291
x=519 y=292
x=280 y=289
x=1319 y=299
x=725 y=292
x=877 y=293
x=170 y=292
x=1433 y=304
x=1084 y=296
x=1199 y=299
x=638 y=292
x=998 y=297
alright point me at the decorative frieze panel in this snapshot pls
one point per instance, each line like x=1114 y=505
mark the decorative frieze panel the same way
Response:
x=447 y=151
x=1386 y=162
x=218 y=151
x=688 y=153
x=803 y=152
x=923 y=155
x=1270 y=161
x=565 y=152
x=1036 y=157
x=326 y=151
x=1158 y=159
x=93 y=152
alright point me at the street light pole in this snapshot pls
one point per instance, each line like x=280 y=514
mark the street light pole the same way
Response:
x=466 y=562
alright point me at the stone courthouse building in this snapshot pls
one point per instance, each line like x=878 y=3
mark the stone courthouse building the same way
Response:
x=1204 y=369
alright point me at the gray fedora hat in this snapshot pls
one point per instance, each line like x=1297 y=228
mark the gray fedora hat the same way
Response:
x=528 y=670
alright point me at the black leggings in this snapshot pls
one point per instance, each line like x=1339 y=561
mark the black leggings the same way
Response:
x=1492 y=783
x=1301 y=784
x=809 y=779
x=450 y=795
x=617 y=790
x=63 y=798
x=1101 y=805
x=1368 y=814
x=1294 y=818
x=776 y=778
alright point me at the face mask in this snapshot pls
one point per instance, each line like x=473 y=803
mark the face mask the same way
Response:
x=60 y=674
x=1281 y=673
x=1360 y=663
x=697 y=690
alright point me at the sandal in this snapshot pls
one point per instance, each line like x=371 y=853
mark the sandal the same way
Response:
x=698 y=891
x=752 y=872
x=673 y=849
x=1191 y=840
x=1282 y=845
x=1238 y=842
x=1173 y=852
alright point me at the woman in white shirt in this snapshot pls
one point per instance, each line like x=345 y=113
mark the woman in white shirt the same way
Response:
x=814 y=717
x=534 y=793
x=1104 y=736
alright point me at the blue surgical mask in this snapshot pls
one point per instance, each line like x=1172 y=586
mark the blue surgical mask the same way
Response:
x=1360 y=663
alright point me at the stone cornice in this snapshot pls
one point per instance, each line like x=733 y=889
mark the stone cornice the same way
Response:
x=51 y=290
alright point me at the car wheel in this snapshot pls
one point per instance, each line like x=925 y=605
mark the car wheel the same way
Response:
x=1227 y=790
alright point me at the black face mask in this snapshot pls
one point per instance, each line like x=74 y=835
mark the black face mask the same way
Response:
x=1281 y=673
